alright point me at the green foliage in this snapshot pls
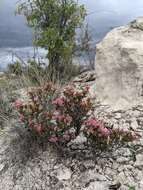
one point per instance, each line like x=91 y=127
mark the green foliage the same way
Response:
x=32 y=70
x=15 y=68
x=132 y=188
x=55 y=23
x=35 y=73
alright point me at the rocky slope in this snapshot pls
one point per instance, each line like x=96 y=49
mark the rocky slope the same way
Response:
x=28 y=164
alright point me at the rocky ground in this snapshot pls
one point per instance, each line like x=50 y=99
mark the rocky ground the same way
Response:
x=26 y=164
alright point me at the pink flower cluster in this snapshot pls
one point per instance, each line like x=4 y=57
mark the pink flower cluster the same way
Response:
x=65 y=118
x=103 y=135
x=62 y=119
x=53 y=139
x=125 y=135
x=18 y=104
x=59 y=102
x=38 y=128
x=21 y=118
x=95 y=127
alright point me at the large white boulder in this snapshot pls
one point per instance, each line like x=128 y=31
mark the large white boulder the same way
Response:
x=119 y=66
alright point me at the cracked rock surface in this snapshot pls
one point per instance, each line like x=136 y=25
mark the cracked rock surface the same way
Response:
x=119 y=68
x=27 y=164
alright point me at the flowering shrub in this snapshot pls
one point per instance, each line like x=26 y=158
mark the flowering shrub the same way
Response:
x=36 y=114
x=60 y=118
x=76 y=104
x=104 y=136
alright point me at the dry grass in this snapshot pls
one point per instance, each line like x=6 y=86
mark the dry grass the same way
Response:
x=11 y=84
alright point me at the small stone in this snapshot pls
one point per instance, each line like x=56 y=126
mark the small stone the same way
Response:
x=136 y=113
x=139 y=161
x=141 y=184
x=123 y=160
x=124 y=152
x=97 y=186
x=121 y=177
x=129 y=167
x=138 y=175
x=115 y=166
x=80 y=139
x=94 y=175
x=2 y=167
x=121 y=168
x=134 y=124
x=63 y=174
x=115 y=186
x=118 y=116
x=89 y=164
x=131 y=162
x=91 y=175
x=110 y=172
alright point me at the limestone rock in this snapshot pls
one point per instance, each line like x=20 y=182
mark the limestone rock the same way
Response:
x=1 y=167
x=139 y=161
x=85 y=77
x=134 y=124
x=63 y=173
x=97 y=186
x=119 y=66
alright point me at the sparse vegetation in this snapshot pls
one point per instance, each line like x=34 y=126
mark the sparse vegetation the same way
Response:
x=132 y=188
x=54 y=132
x=61 y=118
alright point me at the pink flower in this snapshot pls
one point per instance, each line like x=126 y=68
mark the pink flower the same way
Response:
x=87 y=88
x=30 y=122
x=91 y=130
x=104 y=131
x=135 y=136
x=125 y=131
x=62 y=118
x=21 y=117
x=92 y=122
x=53 y=139
x=18 y=104
x=35 y=99
x=59 y=102
x=38 y=128
x=68 y=119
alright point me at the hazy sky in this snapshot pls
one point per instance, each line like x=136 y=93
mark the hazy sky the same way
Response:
x=13 y=29
x=104 y=14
